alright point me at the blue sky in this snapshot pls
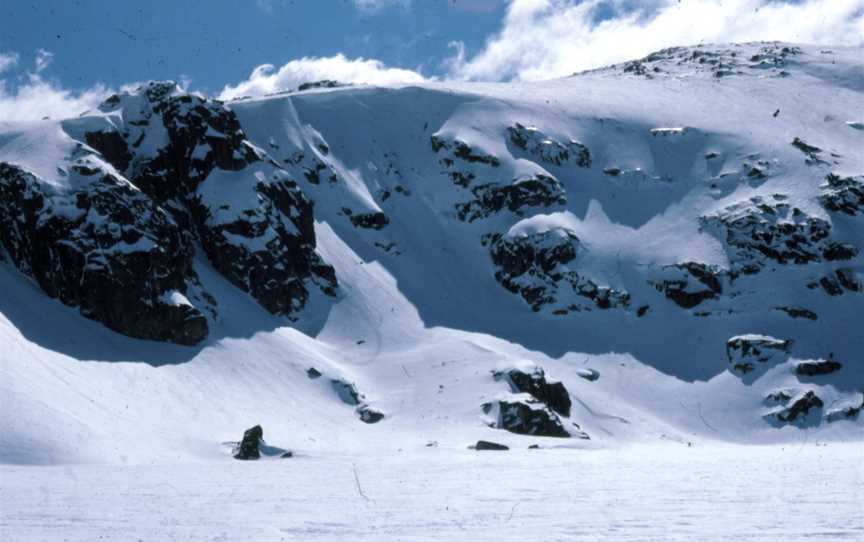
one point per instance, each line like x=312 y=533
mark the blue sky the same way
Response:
x=60 y=57
x=219 y=41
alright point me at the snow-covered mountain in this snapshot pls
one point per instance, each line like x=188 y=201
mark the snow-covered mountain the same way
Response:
x=670 y=248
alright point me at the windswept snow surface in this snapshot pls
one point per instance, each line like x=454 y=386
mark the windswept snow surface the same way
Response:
x=107 y=437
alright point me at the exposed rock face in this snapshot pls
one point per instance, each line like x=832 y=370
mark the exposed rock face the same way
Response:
x=103 y=247
x=249 y=446
x=456 y=149
x=690 y=283
x=796 y=409
x=552 y=394
x=843 y=194
x=845 y=279
x=526 y=418
x=533 y=191
x=548 y=150
x=747 y=352
x=817 y=367
x=191 y=155
x=538 y=267
x=373 y=221
x=768 y=230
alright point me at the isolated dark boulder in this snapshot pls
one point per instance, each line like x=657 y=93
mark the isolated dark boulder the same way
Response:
x=313 y=373
x=249 y=446
x=486 y=445
x=368 y=414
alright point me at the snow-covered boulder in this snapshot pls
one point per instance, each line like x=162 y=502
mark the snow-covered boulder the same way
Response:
x=746 y=353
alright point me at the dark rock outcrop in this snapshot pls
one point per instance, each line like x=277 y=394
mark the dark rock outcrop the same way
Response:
x=373 y=221
x=747 y=352
x=817 y=367
x=799 y=312
x=250 y=216
x=843 y=194
x=548 y=150
x=249 y=446
x=539 y=268
x=689 y=284
x=526 y=418
x=796 y=410
x=104 y=247
x=762 y=231
x=552 y=394
x=491 y=198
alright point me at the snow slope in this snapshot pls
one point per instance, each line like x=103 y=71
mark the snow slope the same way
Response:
x=678 y=145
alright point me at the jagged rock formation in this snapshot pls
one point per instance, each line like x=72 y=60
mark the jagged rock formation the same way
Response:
x=690 y=283
x=491 y=198
x=843 y=194
x=173 y=169
x=537 y=144
x=534 y=383
x=763 y=231
x=525 y=417
x=249 y=446
x=796 y=409
x=539 y=268
x=747 y=352
x=103 y=247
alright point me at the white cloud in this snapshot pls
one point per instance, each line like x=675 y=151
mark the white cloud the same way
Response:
x=37 y=98
x=266 y=79
x=8 y=61
x=43 y=59
x=542 y=39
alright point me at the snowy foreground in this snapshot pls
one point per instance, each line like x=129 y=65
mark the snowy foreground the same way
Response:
x=798 y=491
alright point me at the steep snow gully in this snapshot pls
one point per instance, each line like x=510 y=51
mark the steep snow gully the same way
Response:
x=663 y=251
